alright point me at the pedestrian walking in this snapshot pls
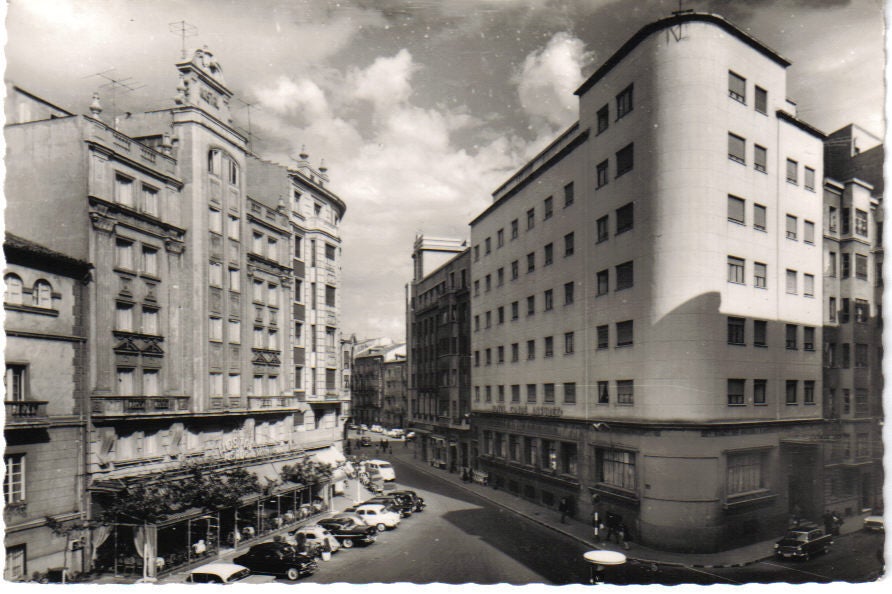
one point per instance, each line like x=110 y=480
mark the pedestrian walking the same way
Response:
x=562 y=506
x=612 y=522
x=837 y=522
x=828 y=522
x=624 y=536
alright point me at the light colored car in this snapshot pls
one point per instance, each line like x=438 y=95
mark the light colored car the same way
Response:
x=376 y=429
x=398 y=433
x=382 y=467
x=316 y=537
x=875 y=524
x=218 y=573
x=375 y=514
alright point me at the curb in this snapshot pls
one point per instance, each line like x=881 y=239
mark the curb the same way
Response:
x=535 y=520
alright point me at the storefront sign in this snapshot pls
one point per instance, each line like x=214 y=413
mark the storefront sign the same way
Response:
x=535 y=411
x=240 y=448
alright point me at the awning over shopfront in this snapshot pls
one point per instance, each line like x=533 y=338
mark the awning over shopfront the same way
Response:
x=330 y=455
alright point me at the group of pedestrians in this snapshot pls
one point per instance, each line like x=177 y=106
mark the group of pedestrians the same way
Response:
x=609 y=527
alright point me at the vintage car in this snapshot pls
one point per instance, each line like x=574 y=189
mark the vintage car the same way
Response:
x=217 y=573
x=875 y=524
x=378 y=515
x=383 y=467
x=279 y=559
x=803 y=543
x=317 y=537
x=417 y=501
x=350 y=531
x=401 y=503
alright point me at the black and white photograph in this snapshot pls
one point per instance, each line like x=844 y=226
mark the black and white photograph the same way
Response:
x=410 y=292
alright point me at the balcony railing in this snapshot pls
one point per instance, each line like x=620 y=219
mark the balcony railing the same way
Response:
x=271 y=402
x=25 y=410
x=138 y=405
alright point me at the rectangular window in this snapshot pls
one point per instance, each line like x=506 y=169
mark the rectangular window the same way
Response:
x=845 y=355
x=736 y=209
x=232 y=231
x=625 y=218
x=808 y=232
x=531 y=393
x=744 y=473
x=736 y=148
x=603 y=337
x=791 y=282
x=603 y=118
x=215 y=221
x=602 y=231
x=531 y=218
x=16 y=382
x=603 y=393
x=569 y=194
x=760 y=217
x=735 y=270
x=215 y=274
x=761 y=100
x=831 y=219
x=549 y=254
x=235 y=331
x=760 y=275
x=549 y=300
x=760 y=158
x=150 y=261
x=124 y=190
x=487 y=284
x=531 y=305
x=124 y=254
x=624 y=103
x=515 y=393
x=501 y=354
x=860 y=223
x=531 y=349
x=500 y=277
x=862 y=311
x=124 y=317
x=616 y=468
x=330 y=251
x=624 y=333
x=500 y=238
x=487 y=243
x=569 y=244
x=792 y=331
x=515 y=352
x=625 y=159
x=531 y=262
x=515 y=310
x=792 y=223
x=501 y=311
x=792 y=171
x=257 y=243
x=16 y=568
x=625 y=277
x=844 y=312
x=602 y=174
x=861 y=266
x=625 y=392
x=760 y=333
x=568 y=293
x=603 y=282
x=150 y=321
x=330 y=295
x=515 y=229
x=792 y=392
x=150 y=383
x=736 y=392
x=515 y=270
x=808 y=285
x=736 y=331
x=125 y=379
x=569 y=343
x=150 y=201
x=809 y=179
x=14 y=480
x=737 y=87
x=759 y=391
x=808 y=338
x=569 y=393
x=846 y=221
x=548 y=393
x=831 y=306
x=488 y=353
x=861 y=355
x=830 y=269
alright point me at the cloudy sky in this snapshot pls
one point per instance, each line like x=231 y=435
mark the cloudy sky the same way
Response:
x=420 y=108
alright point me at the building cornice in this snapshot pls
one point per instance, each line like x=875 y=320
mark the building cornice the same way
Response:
x=805 y=127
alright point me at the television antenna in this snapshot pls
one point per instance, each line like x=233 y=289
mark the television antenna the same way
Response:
x=248 y=105
x=126 y=85
x=184 y=30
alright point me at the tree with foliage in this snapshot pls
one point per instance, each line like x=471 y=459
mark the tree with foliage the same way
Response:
x=307 y=472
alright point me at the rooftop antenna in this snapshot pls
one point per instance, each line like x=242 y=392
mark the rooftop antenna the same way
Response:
x=676 y=29
x=248 y=105
x=128 y=85
x=681 y=10
x=185 y=30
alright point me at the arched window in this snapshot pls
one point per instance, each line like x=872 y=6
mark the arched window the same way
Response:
x=13 y=289
x=42 y=294
x=214 y=160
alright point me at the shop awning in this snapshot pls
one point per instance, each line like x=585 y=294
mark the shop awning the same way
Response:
x=329 y=455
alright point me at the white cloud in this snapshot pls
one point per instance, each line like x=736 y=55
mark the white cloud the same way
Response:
x=287 y=96
x=548 y=77
x=387 y=82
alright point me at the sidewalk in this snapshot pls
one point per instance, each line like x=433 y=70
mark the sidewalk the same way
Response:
x=339 y=504
x=582 y=531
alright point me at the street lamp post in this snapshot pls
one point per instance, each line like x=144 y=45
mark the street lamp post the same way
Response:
x=598 y=561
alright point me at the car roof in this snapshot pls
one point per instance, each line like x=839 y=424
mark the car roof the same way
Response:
x=375 y=505
x=224 y=570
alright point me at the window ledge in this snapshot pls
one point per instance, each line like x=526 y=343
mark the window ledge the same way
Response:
x=750 y=499
x=41 y=311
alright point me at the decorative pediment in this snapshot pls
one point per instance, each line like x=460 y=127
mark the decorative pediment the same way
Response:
x=126 y=344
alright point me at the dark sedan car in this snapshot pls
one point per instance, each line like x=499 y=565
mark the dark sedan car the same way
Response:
x=400 y=503
x=417 y=501
x=277 y=558
x=349 y=532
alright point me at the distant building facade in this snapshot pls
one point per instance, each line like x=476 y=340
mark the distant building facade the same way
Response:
x=368 y=378
x=395 y=404
x=438 y=328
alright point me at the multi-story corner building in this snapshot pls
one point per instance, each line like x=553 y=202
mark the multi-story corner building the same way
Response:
x=659 y=353
x=207 y=264
x=438 y=329
x=368 y=378
x=46 y=369
x=853 y=290
x=395 y=403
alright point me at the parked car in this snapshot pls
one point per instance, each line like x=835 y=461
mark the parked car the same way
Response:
x=416 y=500
x=365 y=441
x=410 y=436
x=376 y=429
x=875 y=524
x=803 y=543
x=381 y=466
x=279 y=559
x=217 y=573
x=378 y=515
x=316 y=537
x=363 y=427
x=350 y=531
x=401 y=503
x=397 y=432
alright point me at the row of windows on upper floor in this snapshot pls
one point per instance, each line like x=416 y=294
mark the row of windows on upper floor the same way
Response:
x=737 y=334
x=845 y=222
x=842 y=357
x=548 y=213
x=125 y=195
x=623 y=337
x=845 y=267
x=126 y=258
x=327 y=214
x=331 y=251
x=40 y=294
x=842 y=314
x=222 y=165
x=737 y=275
x=737 y=153
x=737 y=214
x=737 y=392
x=624 y=392
x=263 y=338
x=737 y=90
x=625 y=221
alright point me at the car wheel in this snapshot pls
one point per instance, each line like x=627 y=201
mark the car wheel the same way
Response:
x=348 y=543
x=293 y=573
x=381 y=527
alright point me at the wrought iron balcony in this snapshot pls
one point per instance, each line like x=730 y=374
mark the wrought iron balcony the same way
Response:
x=140 y=405
x=25 y=412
